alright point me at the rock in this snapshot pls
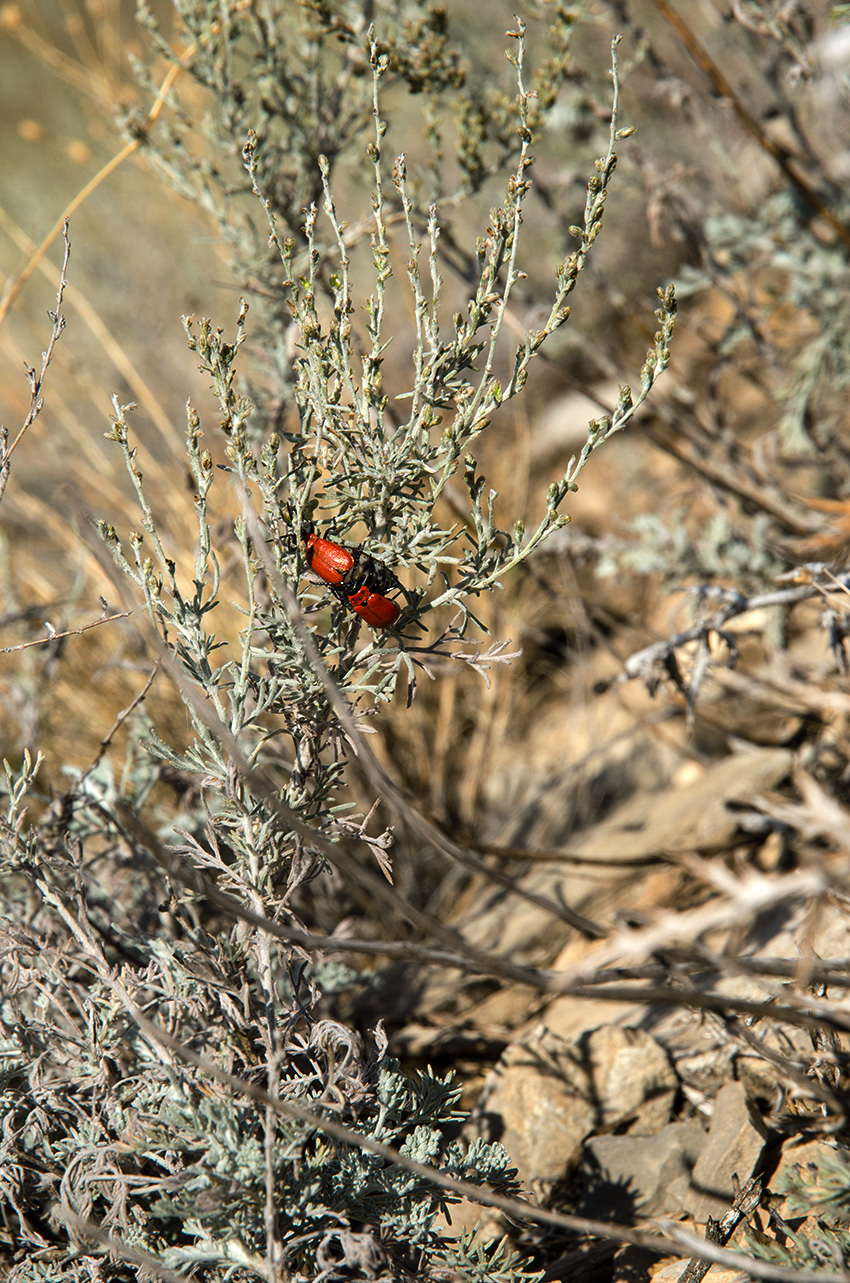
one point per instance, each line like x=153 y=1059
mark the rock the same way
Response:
x=672 y=1271
x=733 y=1148
x=539 y=1103
x=548 y=1094
x=632 y=1079
x=630 y=1176
x=699 y=815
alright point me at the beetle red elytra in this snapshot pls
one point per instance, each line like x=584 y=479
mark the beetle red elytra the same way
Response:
x=357 y=580
x=329 y=560
x=374 y=607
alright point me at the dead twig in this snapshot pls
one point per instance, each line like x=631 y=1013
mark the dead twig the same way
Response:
x=36 y=379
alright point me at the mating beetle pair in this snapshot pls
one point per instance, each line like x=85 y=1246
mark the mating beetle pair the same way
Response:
x=357 y=580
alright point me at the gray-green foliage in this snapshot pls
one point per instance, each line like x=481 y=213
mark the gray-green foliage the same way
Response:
x=101 y=1122
x=718 y=550
x=810 y=273
x=297 y=78
x=354 y=455
x=812 y=1234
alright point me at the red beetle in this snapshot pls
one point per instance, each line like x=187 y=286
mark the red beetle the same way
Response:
x=329 y=560
x=372 y=606
x=357 y=580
